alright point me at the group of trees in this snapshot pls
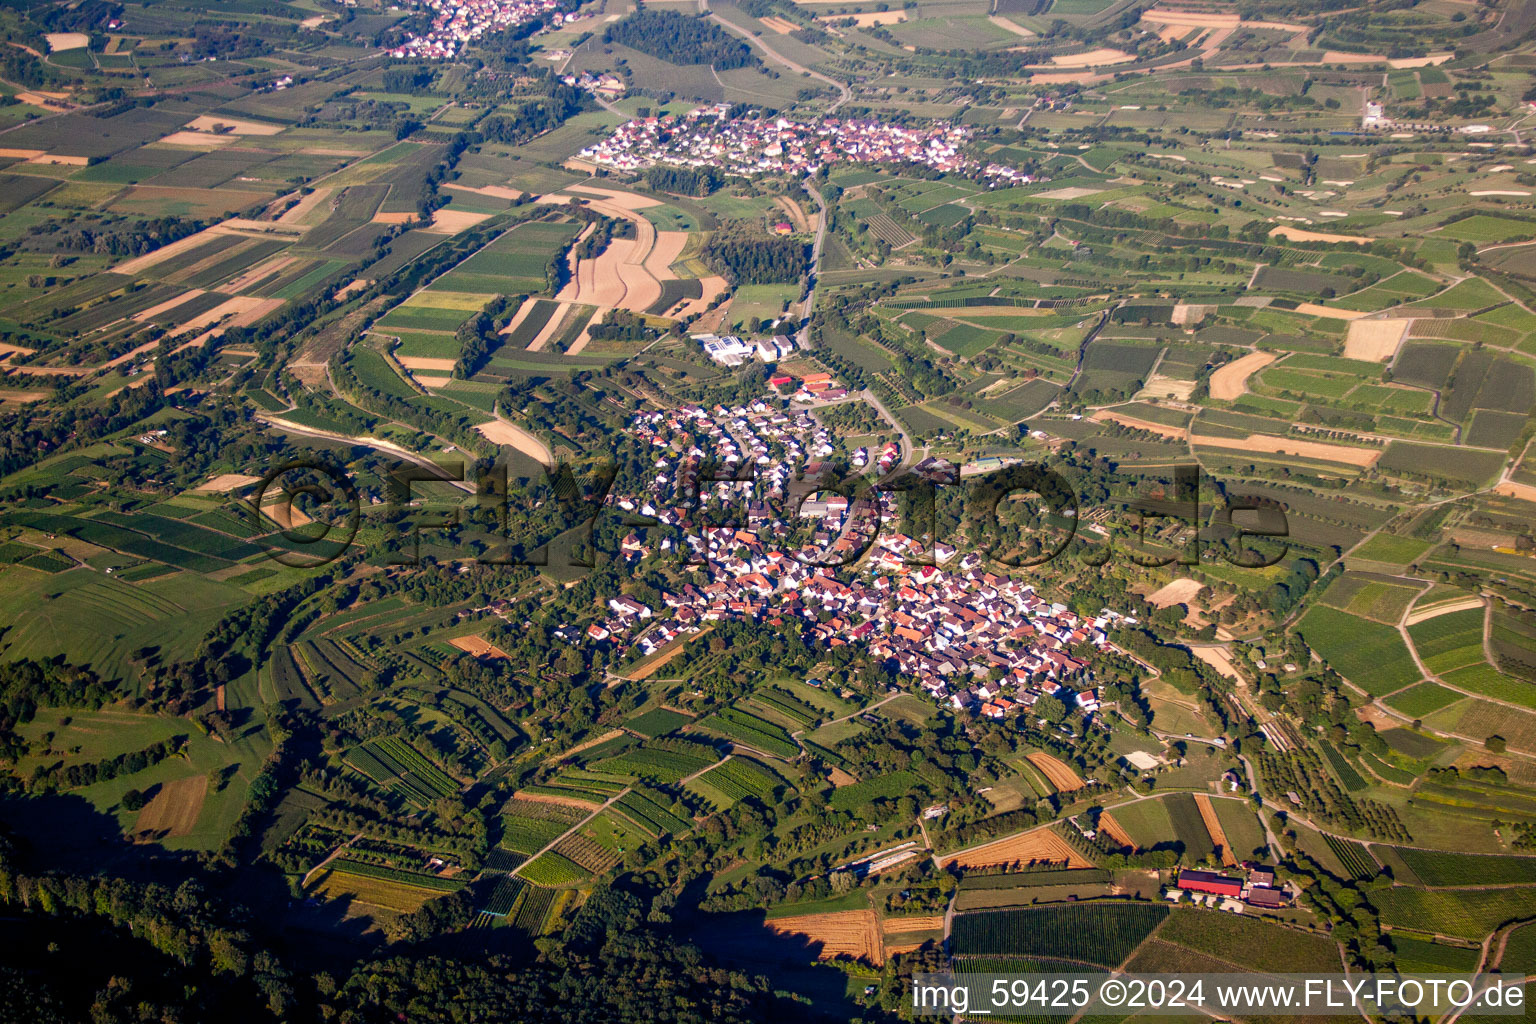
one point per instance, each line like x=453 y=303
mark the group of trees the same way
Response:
x=681 y=39
x=688 y=181
x=111 y=236
x=745 y=256
x=480 y=335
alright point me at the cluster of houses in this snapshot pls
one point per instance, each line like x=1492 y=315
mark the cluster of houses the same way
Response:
x=729 y=350
x=968 y=638
x=606 y=85
x=1257 y=889
x=709 y=137
x=809 y=388
x=458 y=22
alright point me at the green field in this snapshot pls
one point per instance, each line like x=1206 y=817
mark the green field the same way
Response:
x=1369 y=654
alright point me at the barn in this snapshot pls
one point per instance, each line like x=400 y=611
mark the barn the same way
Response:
x=1211 y=882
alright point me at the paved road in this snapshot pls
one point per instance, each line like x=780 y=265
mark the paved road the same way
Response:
x=813 y=276
x=908 y=447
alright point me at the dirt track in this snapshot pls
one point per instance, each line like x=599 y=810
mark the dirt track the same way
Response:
x=1264 y=443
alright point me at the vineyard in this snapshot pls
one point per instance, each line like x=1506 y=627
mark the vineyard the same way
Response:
x=791 y=708
x=553 y=870
x=433 y=882
x=528 y=836
x=504 y=896
x=1353 y=856
x=645 y=809
x=401 y=768
x=1440 y=868
x=587 y=853
x=329 y=668
x=531 y=909
x=664 y=761
x=1250 y=942
x=1094 y=933
x=735 y=780
x=657 y=722
x=753 y=731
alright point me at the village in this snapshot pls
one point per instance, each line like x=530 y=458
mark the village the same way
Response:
x=456 y=23
x=709 y=136
x=969 y=639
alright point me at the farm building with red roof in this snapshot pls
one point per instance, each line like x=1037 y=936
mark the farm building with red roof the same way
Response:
x=1211 y=882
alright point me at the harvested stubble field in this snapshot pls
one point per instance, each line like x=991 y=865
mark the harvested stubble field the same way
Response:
x=1318 y=450
x=1230 y=381
x=1062 y=777
x=1041 y=846
x=850 y=933
x=1112 y=828
x=174 y=809
x=1213 y=826
x=478 y=646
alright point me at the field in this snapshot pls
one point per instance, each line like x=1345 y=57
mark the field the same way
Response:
x=1437 y=868
x=1103 y=934
x=1369 y=654
x=736 y=779
x=174 y=809
x=1251 y=944
x=1214 y=829
x=849 y=933
x=1451 y=641
x=1041 y=846
x=1060 y=775
x=751 y=731
x=552 y=870
x=1462 y=913
x=657 y=722
x=391 y=891
x=1133 y=241
x=1189 y=826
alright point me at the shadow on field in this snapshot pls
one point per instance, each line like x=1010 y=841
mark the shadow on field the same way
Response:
x=740 y=942
x=65 y=832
